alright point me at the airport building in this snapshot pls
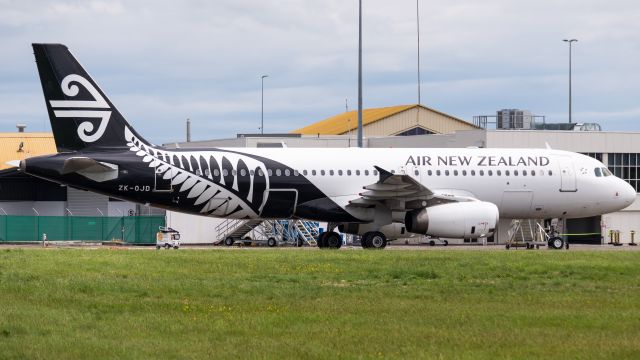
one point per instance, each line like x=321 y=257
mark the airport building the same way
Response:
x=407 y=126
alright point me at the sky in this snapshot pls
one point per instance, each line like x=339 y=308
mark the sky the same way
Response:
x=161 y=62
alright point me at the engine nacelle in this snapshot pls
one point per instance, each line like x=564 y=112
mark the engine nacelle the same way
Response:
x=461 y=220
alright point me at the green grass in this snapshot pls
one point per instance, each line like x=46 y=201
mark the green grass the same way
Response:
x=286 y=303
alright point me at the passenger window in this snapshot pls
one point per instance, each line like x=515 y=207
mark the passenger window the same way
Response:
x=490 y=172
x=375 y=172
x=287 y=172
x=437 y=172
x=225 y=172
x=498 y=172
x=464 y=172
x=446 y=172
x=429 y=172
x=313 y=172
x=199 y=172
x=358 y=172
x=348 y=172
x=251 y=172
x=331 y=172
x=550 y=173
x=340 y=172
x=278 y=172
x=416 y=172
x=481 y=172
x=533 y=173
x=524 y=172
x=322 y=172
x=296 y=173
x=366 y=172
x=304 y=172
x=216 y=172
x=515 y=172
x=234 y=172
x=473 y=173
x=507 y=173
x=455 y=172
x=260 y=173
x=243 y=172
x=208 y=172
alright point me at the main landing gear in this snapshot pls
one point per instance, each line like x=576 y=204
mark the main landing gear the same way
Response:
x=374 y=240
x=329 y=240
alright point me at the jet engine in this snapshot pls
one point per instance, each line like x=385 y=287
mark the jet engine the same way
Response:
x=468 y=220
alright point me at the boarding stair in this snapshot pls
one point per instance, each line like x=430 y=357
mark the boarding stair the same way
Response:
x=528 y=233
x=290 y=231
x=235 y=228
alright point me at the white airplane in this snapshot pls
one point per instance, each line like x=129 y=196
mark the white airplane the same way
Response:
x=379 y=194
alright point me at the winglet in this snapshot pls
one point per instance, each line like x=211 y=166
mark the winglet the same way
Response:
x=384 y=174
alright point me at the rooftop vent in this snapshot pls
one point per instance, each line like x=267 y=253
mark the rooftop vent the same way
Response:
x=21 y=127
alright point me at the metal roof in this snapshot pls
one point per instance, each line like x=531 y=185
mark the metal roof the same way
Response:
x=33 y=144
x=345 y=122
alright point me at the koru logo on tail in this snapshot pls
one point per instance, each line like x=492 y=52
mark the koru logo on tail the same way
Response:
x=86 y=129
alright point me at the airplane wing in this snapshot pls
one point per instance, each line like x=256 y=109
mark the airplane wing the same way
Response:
x=92 y=169
x=400 y=192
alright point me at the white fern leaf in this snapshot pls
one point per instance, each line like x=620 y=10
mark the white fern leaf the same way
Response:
x=179 y=179
x=205 y=196
x=191 y=180
x=197 y=190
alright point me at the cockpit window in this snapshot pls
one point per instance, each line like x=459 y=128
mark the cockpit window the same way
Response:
x=606 y=172
x=598 y=172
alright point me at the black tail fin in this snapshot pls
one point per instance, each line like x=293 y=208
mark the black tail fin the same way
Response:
x=82 y=117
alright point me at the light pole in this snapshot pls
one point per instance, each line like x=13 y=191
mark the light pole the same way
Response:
x=571 y=41
x=262 y=105
x=360 y=74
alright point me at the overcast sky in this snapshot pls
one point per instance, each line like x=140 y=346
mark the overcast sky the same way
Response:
x=161 y=62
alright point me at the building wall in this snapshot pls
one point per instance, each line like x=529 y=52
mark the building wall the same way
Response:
x=26 y=208
x=194 y=229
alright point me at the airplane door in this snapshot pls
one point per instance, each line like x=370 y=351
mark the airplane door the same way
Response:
x=162 y=180
x=280 y=204
x=568 y=181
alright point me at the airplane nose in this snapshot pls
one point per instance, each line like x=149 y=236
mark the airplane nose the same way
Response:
x=628 y=194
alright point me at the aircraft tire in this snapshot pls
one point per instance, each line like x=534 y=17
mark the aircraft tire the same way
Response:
x=432 y=243
x=556 y=243
x=320 y=240
x=271 y=242
x=364 y=240
x=445 y=242
x=228 y=241
x=377 y=240
x=332 y=240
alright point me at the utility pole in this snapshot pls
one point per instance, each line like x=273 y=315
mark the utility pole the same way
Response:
x=570 y=100
x=262 y=106
x=360 y=73
x=418 y=27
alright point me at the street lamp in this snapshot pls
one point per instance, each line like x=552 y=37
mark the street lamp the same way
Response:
x=262 y=106
x=570 y=42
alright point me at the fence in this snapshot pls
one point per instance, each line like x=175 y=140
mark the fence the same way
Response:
x=129 y=229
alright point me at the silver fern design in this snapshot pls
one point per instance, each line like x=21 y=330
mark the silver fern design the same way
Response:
x=223 y=184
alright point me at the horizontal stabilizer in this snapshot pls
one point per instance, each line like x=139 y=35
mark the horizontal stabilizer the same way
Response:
x=92 y=169
x=13 y=163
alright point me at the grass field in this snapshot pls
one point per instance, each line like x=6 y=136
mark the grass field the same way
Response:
x=287 y=303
